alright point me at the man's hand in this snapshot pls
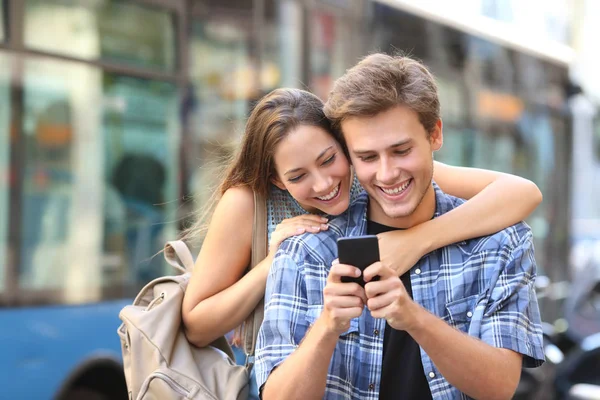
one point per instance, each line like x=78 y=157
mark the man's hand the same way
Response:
x=387 y=298
x=342 y=301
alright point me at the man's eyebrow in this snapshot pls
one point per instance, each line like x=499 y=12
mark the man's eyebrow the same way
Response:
x=291 y=171
x=393 y=146
x=401 y=143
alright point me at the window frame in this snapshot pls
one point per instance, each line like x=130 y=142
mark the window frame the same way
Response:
x=13 y=295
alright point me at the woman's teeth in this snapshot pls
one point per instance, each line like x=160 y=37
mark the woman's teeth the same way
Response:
x=331 y=195
x=399 y=189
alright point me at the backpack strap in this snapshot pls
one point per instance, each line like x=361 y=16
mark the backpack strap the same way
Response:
x=176 y=251
x=259 y=253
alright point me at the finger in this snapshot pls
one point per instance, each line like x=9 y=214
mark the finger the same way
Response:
x=338 y=270
x=308 y=218
x=332 y=302
x=310 y=226
x=333 y=289
x=383 y=312
x=316 y=218
x=347 y=313
x=377 y=269
x=382 y=301
x=377 y=288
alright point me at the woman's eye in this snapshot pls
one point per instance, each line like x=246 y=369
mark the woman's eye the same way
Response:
x=329 y=160
x=296 y=178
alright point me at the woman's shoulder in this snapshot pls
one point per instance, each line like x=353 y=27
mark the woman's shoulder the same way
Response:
x=239 y=199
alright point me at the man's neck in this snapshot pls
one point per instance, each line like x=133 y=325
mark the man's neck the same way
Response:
x=423 y=212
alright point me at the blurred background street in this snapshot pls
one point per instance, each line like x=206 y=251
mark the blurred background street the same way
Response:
x=114 y=116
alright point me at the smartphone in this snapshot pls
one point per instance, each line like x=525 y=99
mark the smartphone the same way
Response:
x=360 y=252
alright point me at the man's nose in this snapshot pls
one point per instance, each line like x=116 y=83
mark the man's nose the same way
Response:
x=387 y=173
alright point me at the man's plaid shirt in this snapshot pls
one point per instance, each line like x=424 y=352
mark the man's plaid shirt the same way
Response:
x=484 y=287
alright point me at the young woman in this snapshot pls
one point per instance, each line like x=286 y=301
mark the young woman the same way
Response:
x=289 y=155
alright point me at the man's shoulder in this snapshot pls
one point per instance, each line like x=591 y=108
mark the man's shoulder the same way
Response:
x=506 y=240
x=311 y=248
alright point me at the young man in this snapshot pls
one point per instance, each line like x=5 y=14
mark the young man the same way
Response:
x=461 y=322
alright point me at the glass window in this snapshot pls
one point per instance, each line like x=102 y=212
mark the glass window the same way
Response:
x=4 y=162
x=2 y=19
x=330 y=50
x=224 y=84
x=100 y=180
x=112 y=31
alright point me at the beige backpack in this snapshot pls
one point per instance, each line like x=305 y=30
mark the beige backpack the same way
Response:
x=158 y=360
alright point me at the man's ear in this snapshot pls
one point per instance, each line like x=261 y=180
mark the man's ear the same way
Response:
x=277 y=182
x=436 y=138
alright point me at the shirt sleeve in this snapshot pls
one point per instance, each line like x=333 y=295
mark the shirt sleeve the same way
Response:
x=285 y=323
x=512 y=317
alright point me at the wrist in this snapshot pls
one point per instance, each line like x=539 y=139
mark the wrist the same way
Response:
x=419 y=322
x=427 y=235
x=265 y=265
x=326 y=328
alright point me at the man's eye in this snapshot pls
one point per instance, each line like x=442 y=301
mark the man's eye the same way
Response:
x=403 y=152
x=329 y=160
x=296 y=178
x=367 y=158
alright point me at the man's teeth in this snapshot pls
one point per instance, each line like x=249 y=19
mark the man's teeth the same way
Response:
x=398 y=189
x=331 y=195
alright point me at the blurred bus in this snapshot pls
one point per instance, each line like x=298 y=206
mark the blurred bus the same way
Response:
x=113 y=113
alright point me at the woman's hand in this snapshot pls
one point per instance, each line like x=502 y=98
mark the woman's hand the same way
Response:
x=296 y=226
x=400 y=250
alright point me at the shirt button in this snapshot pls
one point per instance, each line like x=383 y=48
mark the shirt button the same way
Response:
x=371 y=386
x=376 y=332
x=469 y=314
x=417 y=271
x=431 y=375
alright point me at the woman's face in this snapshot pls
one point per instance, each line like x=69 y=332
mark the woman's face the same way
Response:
x=312 y=167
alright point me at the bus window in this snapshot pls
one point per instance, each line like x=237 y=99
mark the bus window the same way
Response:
x=4 y=162
x=140 y=170
x=2 y=19
x=100 y=180
x=224 y=84
x=111 y=31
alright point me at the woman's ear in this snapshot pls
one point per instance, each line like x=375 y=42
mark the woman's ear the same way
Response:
x=277 y=182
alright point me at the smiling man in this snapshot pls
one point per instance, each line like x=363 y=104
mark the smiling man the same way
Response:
x=459 y=324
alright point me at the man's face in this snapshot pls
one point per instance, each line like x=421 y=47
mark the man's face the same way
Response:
x=392 y=156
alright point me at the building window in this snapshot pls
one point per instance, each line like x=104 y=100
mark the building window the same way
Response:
x=2 y=20
x=597 y=137
x=116 y=32
x=225 y=82
x=100 y=185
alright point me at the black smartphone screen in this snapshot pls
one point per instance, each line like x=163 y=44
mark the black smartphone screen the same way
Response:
x=358 y=251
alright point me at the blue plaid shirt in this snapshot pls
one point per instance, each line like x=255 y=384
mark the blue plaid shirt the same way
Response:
x=484 y=287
